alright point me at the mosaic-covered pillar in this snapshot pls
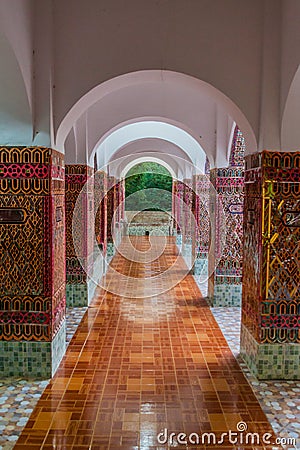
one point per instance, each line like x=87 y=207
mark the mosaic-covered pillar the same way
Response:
x=121 y=201
x=178 y=198
x=111 y=218
x=100 y=201
x=201 y=191
x=187 y=222
x=100 y=205
x=79 y=257
x=270 y=333
x=121 y=197
x=226 y=246
x=116 y=202
x=177 y=192
x=123 y=220
x=119 y=210
x=174 y=208
x=32 y=270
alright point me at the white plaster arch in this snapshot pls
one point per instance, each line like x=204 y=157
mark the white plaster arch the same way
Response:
x=168 y=95
x=20 y=38
x=290 y=43
x=116 y=167
x=138 y=131
x=157 y=148
x=230 y=140
x=153 y=146
x=142 y=159
x=15 y=114
x=290 y=130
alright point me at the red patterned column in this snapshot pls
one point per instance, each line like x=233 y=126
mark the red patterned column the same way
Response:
x=174 y=206
x=119 y=188
x=122 y=199
x=111 y=203
x=79 y=228
x=201 y=190
x=101 y=209
x=116 y=202
x=270 y=333
x=179 y=211
x=226 y=251
x=187 y=212
x=120 y=210
x=124 y=227
x=32 y=272
x=226 y=255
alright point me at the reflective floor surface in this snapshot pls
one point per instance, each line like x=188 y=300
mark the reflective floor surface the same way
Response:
x=280 y=400
x=18 y=397
x=140 y=368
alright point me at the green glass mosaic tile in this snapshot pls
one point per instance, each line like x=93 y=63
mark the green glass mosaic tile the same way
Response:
x=226 y=295
x=32 y=359
x=200 y=266
x=77 y=294
x=110 y=249
x=270 y=361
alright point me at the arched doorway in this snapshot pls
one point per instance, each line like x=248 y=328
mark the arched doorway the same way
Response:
x=148 y=199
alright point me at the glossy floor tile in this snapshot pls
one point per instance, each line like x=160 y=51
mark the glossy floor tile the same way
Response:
x=18 y=397
x=139 y=366
x=280 y=400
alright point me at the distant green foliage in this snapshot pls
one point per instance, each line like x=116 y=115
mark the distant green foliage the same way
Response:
x=148 y=186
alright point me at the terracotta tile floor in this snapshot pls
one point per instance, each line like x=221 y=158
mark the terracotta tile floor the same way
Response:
x=280 y=399
x=139 y=365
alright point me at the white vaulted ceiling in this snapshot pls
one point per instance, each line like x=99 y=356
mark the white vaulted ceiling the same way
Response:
x=197 y=110
x=71 y=76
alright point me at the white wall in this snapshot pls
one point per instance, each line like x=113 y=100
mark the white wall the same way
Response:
x=290 y=58
x=16 y=72
x=246 y=49
x=216 y=41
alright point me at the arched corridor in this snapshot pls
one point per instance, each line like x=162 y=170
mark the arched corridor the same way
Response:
x=118 y=301
x=139 y=365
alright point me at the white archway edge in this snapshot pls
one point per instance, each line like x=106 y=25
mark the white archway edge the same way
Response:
x=15 y=113
x=290 y=130
x=145 y=130
x=142 y=159
x=174 y=156
x=153 y=79
x=154 y=146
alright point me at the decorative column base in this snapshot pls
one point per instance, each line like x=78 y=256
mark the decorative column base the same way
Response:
x=110 y=252
x=77 y=294
x=32 y=288
x=225 y=293
x=270 y=361
x=32 y=359
x=80 y=287
x=187 y=250
x=187 y=253
x=178 y=239
x=80 y=294
x=201 y=266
